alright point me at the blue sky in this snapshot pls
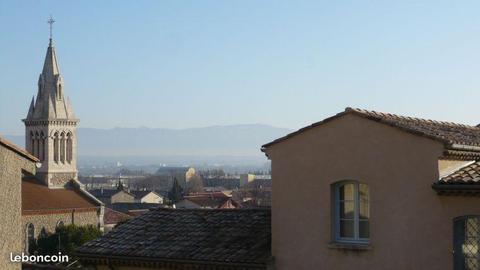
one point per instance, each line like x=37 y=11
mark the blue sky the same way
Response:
x=180 y=64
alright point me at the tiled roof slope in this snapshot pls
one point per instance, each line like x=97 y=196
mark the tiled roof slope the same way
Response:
x=139 y=194
x=39 y=198
x=446 y=132
x=113 y=217
x=225 y=236
x=208 y=199
x=126 y=207
x=469 y=174
x=103 y=193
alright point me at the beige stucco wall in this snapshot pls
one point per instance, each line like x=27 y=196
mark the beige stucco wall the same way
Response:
x=151 y=198
x=49 y=221
x=411 y=226
x=122 y=196
x=11 y=165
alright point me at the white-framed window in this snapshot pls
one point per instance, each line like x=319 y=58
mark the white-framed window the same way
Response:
x=351 y=208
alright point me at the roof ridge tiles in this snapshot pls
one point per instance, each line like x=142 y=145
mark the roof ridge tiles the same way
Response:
x=448 y=133
x=370 y=112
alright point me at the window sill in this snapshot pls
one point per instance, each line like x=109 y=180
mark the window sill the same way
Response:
x=350 y=246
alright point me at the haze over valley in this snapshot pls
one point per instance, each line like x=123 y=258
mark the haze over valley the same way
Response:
x=233 y=145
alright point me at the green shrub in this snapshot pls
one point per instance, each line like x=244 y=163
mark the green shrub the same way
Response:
x=66 y=239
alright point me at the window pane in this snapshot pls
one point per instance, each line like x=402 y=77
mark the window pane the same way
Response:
x=346 y=228
x=364 y=229
x=472 y=227
x=364 y=193
x=346 y=192
x=346 y=209
x=364 y=210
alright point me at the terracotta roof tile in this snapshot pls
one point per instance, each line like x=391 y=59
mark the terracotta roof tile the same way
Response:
x=446 y=132
x=38 y=197
x=469 y=174
x=208 y=199
x=113 y=217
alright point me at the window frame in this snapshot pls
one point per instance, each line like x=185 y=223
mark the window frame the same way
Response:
x=460 y=235
x=356 y=213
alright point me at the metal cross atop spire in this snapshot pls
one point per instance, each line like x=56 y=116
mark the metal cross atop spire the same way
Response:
x=51 y=21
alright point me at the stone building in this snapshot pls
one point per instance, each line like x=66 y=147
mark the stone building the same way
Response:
x=14 y=163
x=147 y=196
x=54 y=196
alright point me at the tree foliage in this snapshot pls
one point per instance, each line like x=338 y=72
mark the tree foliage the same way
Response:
x=195 y=184
x=176 y=193
x=66 y=239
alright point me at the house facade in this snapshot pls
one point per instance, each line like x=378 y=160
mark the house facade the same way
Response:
x=147 y=196
x=368 y=190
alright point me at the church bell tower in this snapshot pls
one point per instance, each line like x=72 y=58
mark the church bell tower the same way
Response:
x=50 y=126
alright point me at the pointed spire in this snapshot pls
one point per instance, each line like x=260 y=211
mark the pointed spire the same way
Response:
x=51 y=102
x=70 y=113
x=51 y=112
x=31 y=109
x=50 y=66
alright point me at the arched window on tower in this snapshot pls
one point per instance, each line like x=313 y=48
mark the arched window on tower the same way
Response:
x=42 y=146
x=55 y=147
x=32 y=143
x=37 y=145
x=69 y=147
x=62 y=147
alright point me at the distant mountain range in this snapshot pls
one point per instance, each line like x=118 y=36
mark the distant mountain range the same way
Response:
x=234 y=141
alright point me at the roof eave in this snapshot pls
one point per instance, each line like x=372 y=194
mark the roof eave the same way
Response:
x=108 y=258
x=79 y=186
x=456 y=189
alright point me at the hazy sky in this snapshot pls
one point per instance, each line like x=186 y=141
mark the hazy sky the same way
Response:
x=179 y=64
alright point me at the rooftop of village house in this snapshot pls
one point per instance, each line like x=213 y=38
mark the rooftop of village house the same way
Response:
x=223 y=236
x=450 y=133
